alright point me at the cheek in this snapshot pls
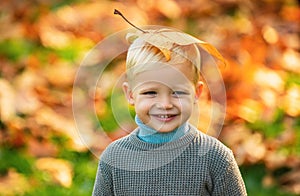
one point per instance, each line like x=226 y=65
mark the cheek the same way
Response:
x=143 y=104
x=185 y=103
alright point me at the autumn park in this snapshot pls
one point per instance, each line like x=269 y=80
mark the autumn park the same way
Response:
x=57 y=115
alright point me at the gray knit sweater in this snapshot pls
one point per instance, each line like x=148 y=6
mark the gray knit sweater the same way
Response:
x=195 y=164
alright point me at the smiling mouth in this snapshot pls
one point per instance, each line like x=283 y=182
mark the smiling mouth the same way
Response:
x=164 y=117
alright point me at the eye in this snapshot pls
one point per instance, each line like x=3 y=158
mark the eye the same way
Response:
x=149 y=93
x=179 y=93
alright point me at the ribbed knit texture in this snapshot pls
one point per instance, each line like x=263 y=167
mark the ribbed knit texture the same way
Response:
x=195 y=164
x=150 y=135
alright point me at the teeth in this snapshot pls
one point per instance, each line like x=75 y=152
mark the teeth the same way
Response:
x=163 y=116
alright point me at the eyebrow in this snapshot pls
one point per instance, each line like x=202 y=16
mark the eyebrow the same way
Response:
x=148 y=89
x=180 y=87
x=155 y=86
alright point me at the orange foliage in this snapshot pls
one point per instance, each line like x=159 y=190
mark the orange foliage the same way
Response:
x=259 y=40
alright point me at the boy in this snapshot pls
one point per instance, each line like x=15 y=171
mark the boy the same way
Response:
x=166 y=155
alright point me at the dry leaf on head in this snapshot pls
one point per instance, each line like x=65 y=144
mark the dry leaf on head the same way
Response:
x=164 y=40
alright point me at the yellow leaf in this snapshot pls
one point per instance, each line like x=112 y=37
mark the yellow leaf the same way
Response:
x=177 y=37
x=166 y=52
x=213 y=51
x=7 y=100
x=60 y=170
x=164 y=39
x=130 y=37
x=13 y=183
x=157 y=39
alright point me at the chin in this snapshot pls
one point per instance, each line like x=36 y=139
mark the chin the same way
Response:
x=167 y=130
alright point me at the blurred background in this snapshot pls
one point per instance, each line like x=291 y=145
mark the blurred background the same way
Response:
x=42 y=43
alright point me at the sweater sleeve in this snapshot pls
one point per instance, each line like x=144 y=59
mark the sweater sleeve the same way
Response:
x=230 y=181
x=103 y=183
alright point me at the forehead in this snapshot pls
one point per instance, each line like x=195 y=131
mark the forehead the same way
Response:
x=170 y=75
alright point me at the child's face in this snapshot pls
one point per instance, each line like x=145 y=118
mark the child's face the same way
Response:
x=164 y=98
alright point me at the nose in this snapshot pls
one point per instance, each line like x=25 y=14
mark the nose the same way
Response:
x=165 y=102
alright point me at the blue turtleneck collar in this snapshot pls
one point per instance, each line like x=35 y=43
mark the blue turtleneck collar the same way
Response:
x=150 y=135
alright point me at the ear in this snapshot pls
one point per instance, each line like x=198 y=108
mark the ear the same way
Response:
x=198 y=90
x=128 y=93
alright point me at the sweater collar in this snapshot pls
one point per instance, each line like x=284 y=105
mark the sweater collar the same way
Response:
x=150 y=135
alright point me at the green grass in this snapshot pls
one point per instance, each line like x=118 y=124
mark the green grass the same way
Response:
x=15 y=159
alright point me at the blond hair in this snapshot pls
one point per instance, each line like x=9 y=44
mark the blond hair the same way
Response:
x=142 y=56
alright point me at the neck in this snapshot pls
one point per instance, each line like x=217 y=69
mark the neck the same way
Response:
x=150 y=135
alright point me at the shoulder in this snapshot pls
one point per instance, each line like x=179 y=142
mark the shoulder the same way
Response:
x=213 y=149
x=215 y=145
x=218 y=157
x=210 y=143
x=114 y=149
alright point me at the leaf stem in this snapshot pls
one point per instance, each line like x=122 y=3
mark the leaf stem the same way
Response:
x=119 y=13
